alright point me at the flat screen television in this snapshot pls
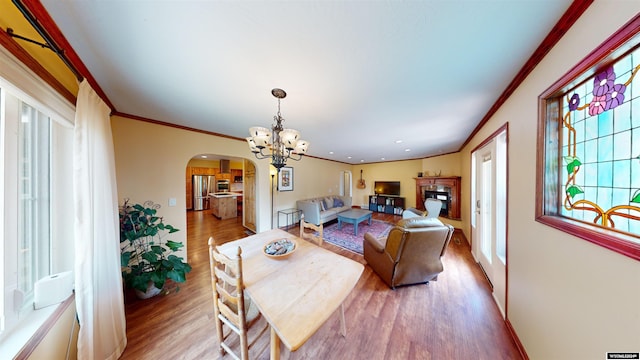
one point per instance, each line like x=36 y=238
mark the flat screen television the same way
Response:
x=387 y=188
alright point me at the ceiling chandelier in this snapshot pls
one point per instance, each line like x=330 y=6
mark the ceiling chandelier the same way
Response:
x=279 y=144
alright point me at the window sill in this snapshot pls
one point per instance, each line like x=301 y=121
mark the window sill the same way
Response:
x=22 y=340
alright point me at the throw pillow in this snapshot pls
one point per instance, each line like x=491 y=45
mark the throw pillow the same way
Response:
x=337 y=202
x=328 y=203
x=322 y=207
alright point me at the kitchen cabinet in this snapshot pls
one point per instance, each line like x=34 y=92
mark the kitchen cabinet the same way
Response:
x=221 y=176
x=235 y=173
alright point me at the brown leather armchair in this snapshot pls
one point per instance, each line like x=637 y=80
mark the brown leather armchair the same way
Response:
x=411 y=252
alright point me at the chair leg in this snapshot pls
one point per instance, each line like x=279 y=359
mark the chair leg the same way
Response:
x=275 y=345
x=220 y=333
x=343 y=322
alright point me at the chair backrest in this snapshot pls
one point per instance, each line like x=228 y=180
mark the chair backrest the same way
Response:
x=311 y=235
x=416 y=246
x=433 y=207
x=228 y=298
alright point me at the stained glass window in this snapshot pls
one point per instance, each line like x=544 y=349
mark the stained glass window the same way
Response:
x=589 y=147
x=600 y=153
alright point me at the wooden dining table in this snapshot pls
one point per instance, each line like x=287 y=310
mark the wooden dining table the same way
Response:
x=296 y=294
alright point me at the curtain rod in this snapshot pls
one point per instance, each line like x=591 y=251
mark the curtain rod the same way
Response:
x=50 y=44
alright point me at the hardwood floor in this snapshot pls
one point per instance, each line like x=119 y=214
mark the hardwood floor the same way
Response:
x=452 y=318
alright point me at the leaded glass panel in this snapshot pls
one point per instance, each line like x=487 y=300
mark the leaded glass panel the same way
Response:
x=601 y=148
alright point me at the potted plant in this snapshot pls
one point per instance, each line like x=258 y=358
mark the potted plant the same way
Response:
x=146 y=254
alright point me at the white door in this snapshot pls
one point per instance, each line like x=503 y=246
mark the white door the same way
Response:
x=489 y=217
x=346 y=184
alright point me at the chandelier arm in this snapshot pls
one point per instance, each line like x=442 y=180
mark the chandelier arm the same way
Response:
x=260 y=155
x=298 y=159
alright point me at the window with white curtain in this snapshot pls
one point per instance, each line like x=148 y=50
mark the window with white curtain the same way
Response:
x=36 y=217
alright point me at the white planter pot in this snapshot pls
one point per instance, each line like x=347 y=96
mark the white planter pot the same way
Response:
x=152 y=291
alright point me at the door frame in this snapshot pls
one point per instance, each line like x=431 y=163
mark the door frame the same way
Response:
x=484 y=204
x=505 y=212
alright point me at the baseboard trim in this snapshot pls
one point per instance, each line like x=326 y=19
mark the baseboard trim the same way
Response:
x=516 y=339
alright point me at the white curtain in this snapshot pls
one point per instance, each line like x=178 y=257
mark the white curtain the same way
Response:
x=99 y=294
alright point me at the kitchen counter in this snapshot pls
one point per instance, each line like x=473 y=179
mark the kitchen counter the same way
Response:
x=224 y=194
x=224 y=204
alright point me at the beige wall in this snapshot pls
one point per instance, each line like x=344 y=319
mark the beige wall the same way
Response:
x=449 y=165
x=567 y=298
x=311 y=178
x=445 y=165
x=403 y=171
x=406 y=172
x=151 y=161
x=60 y=342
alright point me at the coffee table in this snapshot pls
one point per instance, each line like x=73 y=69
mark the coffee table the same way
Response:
x=354 y=216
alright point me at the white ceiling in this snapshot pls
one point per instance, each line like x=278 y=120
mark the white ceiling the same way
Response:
x=359 y=75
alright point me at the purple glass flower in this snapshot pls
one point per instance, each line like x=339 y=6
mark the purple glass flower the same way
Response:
x=603 y=82
x=574 y=102
x=615 y=97
x=597 y=105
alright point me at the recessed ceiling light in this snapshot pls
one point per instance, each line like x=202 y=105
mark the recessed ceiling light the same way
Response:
x=203 y=156
x=398 y=141
x=407 y=149
x=381 y=158
x=362 y=160
x=348 y=157
x=330 y=152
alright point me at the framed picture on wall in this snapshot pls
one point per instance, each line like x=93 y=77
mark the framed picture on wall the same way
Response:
x=285 y=179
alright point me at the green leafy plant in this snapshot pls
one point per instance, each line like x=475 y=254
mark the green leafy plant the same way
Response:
x=146 y=254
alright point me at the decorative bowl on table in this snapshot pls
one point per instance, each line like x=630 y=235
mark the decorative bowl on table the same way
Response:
x=280 y=249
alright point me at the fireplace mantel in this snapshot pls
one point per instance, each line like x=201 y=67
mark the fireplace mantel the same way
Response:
x=449 y=184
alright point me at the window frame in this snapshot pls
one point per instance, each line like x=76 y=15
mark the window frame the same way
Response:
x=24 y=86
x=549 y=151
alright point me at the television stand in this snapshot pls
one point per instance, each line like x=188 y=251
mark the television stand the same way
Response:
x=386 y=204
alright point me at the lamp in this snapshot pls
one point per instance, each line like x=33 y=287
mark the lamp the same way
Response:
x=279 y=144
x=273 y=176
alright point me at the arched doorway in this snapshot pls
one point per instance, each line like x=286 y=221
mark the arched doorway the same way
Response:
x=230 y=178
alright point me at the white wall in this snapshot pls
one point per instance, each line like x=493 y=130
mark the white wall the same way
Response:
x=567 y=298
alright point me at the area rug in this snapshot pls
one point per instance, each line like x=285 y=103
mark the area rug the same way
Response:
x=345 y=238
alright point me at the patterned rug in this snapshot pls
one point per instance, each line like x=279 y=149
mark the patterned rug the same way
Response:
x=345 y=238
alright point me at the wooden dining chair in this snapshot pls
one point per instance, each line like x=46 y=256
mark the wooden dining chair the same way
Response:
x=318 y=239
x=232 y=307
x=311 y=235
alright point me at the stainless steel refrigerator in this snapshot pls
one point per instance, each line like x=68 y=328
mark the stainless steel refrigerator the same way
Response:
x=202 y=185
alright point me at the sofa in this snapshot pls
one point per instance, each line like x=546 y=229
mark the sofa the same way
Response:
x=319 y=210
